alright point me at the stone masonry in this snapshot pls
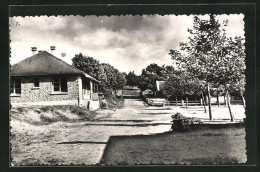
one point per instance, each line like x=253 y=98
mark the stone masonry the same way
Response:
x=44 y=93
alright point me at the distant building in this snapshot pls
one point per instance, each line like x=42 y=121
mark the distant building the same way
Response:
x=129 y=91
x=160 y=89
x=160 y=85
x=43 y=79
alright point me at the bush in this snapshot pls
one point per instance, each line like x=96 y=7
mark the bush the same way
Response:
x=114 y=102
x=182 y=123
x=82 y=112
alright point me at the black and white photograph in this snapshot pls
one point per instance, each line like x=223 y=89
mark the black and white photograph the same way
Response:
x=145 y=89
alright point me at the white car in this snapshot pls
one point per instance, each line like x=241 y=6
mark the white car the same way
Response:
x=156 y=101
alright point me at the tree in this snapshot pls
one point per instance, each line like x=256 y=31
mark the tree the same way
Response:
x=109 y=77
x=210 y=56
x=102 y=77
x=216 y=91
x=236 y=54
x=120 y=80
x=132 y=79
x=150 y=75
x=238 y=88
x=113 y=79
x=86 y=64
x=182 y=85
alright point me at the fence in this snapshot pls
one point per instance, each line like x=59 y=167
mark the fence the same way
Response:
x=199 y=103
x=183 y=103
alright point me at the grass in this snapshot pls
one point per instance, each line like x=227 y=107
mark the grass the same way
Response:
x=203 y=146
x=41 y=115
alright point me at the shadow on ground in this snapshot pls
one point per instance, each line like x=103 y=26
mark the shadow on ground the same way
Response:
x=216 y=144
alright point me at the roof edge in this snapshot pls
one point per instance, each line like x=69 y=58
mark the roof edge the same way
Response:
x=80 y=71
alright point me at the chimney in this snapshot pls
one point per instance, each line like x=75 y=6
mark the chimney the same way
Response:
x=53 y=48
x=34 y=49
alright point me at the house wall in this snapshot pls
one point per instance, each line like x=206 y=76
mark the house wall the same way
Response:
x=44 y=93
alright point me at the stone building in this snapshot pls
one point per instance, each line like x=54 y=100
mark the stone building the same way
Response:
x=44 y=79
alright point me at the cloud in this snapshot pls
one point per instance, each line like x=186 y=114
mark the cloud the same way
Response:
x=126 y=42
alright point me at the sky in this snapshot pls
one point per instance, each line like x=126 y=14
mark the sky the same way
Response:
x=129 y=43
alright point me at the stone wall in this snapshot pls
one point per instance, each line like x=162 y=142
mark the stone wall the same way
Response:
x=44 y=92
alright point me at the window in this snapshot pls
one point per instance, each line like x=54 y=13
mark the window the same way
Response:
x=36 y=82
x=60 y=84
x=15 y=87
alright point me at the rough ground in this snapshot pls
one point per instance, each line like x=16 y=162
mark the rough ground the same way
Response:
x=68 y=142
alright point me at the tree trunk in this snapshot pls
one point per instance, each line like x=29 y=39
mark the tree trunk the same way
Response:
x=186 y=102
x=176 y=101
x=209 y=104
x=229 y=108
x=243 y=99
x=204 y=104
x=218 y=100
x=225 y=99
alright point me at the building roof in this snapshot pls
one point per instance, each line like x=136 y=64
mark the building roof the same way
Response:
x=44 y=63
x=131 y=88
x=160 y=85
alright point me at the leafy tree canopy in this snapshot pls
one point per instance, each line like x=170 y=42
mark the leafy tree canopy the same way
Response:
x=86 y=64
x=210 y=55
x=109 y=77
x=132 y=79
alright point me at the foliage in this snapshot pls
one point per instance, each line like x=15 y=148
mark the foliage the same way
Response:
x=238 y=88
x=112 y=78
x=182 y=123
x=150 y=75
x=114 y=102
x=186 y=120
x=120 y=80
x=153 y=73
x=132 y=79
x=182 y=85
x=211 y=56
x=109 y=77
x=88 y=65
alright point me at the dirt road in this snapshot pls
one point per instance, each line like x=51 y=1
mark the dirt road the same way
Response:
x=64 y=143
